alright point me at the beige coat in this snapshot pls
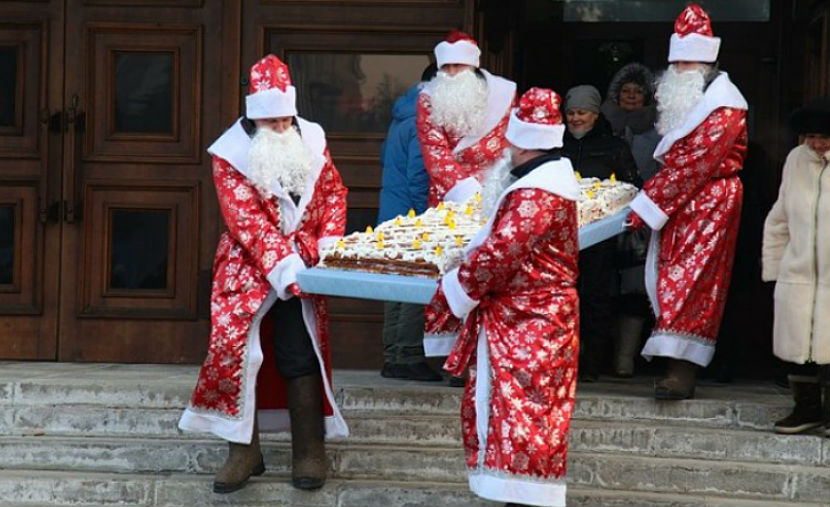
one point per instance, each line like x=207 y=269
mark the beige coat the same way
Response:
x=796 y=254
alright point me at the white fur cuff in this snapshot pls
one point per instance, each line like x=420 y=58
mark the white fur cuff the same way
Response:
x=460 y=303
x=649 y=211
x=272 y=103
x=284 y=274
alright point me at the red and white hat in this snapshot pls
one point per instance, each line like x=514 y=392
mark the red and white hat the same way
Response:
x=271 y=93
x=537 y=123
x=692 y=40
x=457 y=47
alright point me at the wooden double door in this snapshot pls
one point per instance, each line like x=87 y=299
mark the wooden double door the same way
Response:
x=108 y=217
x=107 y=214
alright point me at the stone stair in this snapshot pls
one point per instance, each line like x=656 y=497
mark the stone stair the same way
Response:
x=103 y=434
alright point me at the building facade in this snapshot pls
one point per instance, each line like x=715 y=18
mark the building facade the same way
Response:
x=108 y=218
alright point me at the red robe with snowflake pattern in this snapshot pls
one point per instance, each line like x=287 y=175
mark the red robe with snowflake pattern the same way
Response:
x=449 y=159
x=254 y=264
x=694 y=206
x=521 y=343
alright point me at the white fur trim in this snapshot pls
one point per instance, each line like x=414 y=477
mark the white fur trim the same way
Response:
x=439 y=345
x=533 y=136
x=285 y=273
x=556 y=177
x=694 y=47
x=516 y=489
x=463 y=190
x=271 y=103
x=462 y=51
x=651 y=271
x=692 y=349
x=720 y=93
x=649 y=211
x=233 y=146
x=460 y=303
x=500 y=95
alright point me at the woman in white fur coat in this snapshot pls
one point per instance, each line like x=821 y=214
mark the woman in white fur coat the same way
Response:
x=796 y=255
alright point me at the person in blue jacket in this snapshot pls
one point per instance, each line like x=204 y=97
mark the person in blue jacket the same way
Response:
x=404 y=187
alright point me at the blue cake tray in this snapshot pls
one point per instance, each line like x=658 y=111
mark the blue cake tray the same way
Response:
x=410 y=289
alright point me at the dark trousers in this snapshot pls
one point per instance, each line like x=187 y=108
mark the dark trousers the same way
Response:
x=292 y=343
x=403 y=333
x=597 y=316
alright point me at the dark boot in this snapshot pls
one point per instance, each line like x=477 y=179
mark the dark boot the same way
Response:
x=243 y=462
x=308 y=451
x=806 y=414
x=679 y=382
x=627 y=344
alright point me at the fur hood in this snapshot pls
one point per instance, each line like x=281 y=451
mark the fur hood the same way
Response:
x=632 y=73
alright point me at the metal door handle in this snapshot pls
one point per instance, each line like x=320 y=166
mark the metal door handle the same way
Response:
x=75 y=123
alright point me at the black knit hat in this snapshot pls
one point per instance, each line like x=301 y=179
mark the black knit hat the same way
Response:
x=813 y=117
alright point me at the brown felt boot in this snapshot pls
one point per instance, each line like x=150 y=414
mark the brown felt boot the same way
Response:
x=308 y=451
x=806 y=413
x=679 y=382
x=243 y=462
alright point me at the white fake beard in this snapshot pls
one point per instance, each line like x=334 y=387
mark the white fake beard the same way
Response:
x=279 y=158
x=677 y=94
x=496 y=179
x=458 y=102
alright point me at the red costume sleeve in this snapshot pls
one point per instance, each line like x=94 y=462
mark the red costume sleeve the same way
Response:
x=694 y=160
x=331 y=187
x=247 y=220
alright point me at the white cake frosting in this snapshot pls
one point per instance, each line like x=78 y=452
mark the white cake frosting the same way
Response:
x=449 y=227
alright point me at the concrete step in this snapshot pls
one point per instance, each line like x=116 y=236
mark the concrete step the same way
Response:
x=349 y=461
x=151 y=406
x=586 y=436
x=24 y=489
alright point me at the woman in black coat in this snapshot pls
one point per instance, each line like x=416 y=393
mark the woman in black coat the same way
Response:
x=595 y=152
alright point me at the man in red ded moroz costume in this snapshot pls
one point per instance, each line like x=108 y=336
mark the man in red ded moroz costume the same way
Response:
x=461 y=118
x=693 y=204
x=282 y=199
x=516 y=290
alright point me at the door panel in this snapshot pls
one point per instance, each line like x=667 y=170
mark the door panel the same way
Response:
x=140 y=220
x=29 y=248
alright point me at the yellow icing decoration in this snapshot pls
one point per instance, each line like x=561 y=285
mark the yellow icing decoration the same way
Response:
x=416 y=244
x=451 y=224
x=439 y=250
x=341 y=243
x=459 y=240
x=411 y=213
x=441 y=206
x=478 y=197
x=578 y=176
x=469 y=210
x=425 y=236
x=369 y=229
x=613 y=178
x=379 y=244
x=418 y=223
x=597 y=185
x=590 y=194
x=398 y=221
